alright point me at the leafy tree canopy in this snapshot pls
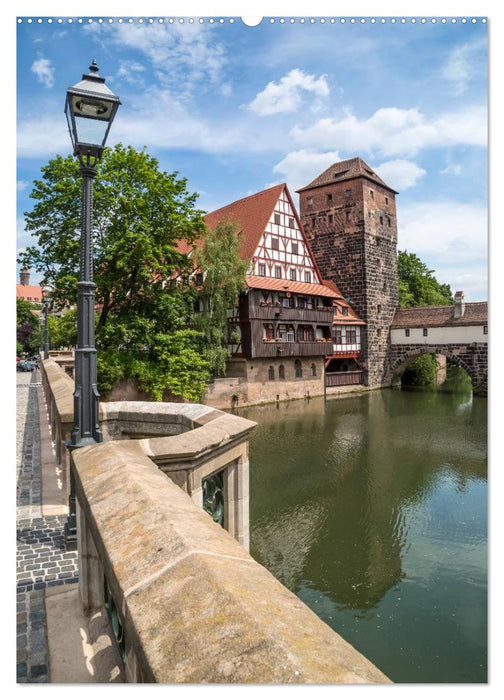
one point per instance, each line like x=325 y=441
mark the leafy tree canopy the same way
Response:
x=417 y=284
x=224 y=272
x=27 y=328
x=139 y=214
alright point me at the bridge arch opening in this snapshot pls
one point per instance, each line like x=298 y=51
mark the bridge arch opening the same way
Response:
x=433 y=371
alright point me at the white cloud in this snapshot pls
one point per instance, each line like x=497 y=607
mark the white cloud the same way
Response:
x=21 y=185
x=301 y=167
x=451 y=237
x=175 y=50
x=44 y=71
x=41 y=137
x=130 y=72
x=400 y=174
x=286 y=95
x=394 y=131
x=451 y=170
x=462 y=65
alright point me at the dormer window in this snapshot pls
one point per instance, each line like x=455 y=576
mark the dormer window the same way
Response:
x=307 y=277
x=291 y=222
x=274 y=243
x=277 y=219
x=295 y=248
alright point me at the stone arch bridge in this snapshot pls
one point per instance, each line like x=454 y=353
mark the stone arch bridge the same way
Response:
x=459 y=332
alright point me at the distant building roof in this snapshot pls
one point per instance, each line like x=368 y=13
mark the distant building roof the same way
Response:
x=346 y=170
x=476 y=313
x=29 y=292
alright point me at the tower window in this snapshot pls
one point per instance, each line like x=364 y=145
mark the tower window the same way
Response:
x=485 y=330
x=378 y=309
x=407 y=332
x=371 y=194
x=378 y=332
x=314 y=222
x=297 y=369
x=330 y=219
x=277 y=218
x=386 y=200
x=381 y=220
x=309 y=201
x=389 y=221
x=329 y=198
x=348 y=193
x=271 y=373
x=281 y=372
x=426 y=331
x=349 y=216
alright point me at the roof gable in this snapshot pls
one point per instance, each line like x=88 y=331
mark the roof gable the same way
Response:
x=251 y=214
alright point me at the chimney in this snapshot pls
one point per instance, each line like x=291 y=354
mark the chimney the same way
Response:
x=458 y=305
x=24 y=277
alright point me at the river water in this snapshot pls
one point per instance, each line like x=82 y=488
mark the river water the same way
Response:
x=373 y=510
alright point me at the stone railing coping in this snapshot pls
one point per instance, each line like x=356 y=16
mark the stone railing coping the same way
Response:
x=61 y=387
x=208 y=426
x=222 y=430
x=196 y=607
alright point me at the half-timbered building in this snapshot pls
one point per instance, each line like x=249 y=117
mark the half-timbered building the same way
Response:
x=284 y=326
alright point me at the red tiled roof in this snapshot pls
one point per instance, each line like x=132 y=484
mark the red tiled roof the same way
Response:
x=346 y=170
x=251 y=214
x=476 y=313
x=34 y=291
x=281 y=285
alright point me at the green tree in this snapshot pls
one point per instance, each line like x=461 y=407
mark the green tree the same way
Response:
x=27 y=328
x=140 y=212
x=63 y=329
x=223 y=270
x=417 y=284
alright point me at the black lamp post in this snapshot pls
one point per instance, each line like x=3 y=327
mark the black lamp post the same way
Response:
x=90 y=110
x=46 y=296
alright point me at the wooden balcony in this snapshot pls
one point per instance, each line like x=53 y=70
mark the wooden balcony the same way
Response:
x=285 y=315
x=344 y=378
x=273 y=348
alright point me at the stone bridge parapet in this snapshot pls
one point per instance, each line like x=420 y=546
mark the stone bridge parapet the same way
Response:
x=471 y=357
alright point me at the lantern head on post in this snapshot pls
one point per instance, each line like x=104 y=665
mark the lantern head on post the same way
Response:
x=90 y=109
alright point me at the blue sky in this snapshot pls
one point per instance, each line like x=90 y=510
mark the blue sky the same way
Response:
x=236 y=109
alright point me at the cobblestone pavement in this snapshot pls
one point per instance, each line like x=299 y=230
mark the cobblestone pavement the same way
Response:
x=41 y=557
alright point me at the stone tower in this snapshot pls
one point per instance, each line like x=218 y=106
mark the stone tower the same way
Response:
x=349 y=216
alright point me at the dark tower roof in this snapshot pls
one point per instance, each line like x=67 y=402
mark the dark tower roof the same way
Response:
x=346 y=170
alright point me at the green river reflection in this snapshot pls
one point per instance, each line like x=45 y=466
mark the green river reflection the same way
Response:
x=373 y=510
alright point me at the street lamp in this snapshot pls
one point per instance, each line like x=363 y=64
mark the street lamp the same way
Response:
x=90 y=109
x=46 y=295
